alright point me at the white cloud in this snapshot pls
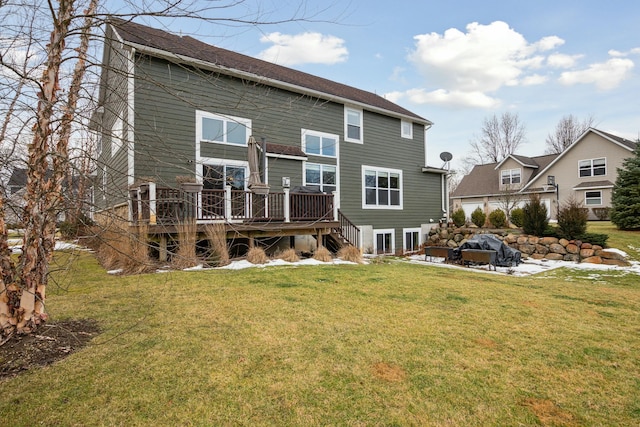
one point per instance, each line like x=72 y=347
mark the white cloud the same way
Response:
x=618 y=54
x=559 y=60
x=535 y=79
x=468 y=65
x=445 y=98
x=305 y=48
x=605 y=75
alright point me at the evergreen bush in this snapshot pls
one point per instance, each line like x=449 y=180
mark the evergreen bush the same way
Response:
x=625 y=201
x=459 y=218
x=478 y=217
x=572 y=219
x=497 y=218
x=535 y=219
x=517 y=217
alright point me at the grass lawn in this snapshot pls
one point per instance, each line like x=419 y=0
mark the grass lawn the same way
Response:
x=380 y=344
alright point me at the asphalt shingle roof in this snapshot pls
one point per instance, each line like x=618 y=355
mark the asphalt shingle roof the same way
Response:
x=188 y=47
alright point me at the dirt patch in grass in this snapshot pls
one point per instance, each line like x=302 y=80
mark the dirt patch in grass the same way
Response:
x=388 y=372
x=51 y=342
x=549 y=413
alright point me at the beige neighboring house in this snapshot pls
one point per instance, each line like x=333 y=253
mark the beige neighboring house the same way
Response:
x=586 y=171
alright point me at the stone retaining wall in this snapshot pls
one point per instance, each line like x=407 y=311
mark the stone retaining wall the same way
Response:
x=534 y=247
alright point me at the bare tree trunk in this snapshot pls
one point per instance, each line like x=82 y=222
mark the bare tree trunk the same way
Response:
x=41 y=194
x=9 y=295
x=61 y=165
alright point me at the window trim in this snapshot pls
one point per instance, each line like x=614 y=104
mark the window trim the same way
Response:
x=321 y=135
x=511 y=174
x=364 y=188
x=586 y=198
x=391 y=231
x=346 y=125
x=592 y=168
x=404 y=134
x=200 y=115
x=322 y=166
x=117 y=134
x=404 y=237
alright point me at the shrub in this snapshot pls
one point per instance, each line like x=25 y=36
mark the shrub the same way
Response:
x=256 y=255
x=185 y=255
x=458 y=217
x=217 y=236
x=497 y=218
x=517 y=217
x=288 y=255
x=602 y=213
x=535 y=219
x=322 y=254
x=478 y=217
x=350 y=253
x=595 y=238
x=572 y=219
x=551 y=231
x=78 y=227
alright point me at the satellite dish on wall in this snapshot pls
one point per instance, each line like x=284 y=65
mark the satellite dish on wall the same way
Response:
x=446 y=156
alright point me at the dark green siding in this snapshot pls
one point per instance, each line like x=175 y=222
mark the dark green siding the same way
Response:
x=168 y=96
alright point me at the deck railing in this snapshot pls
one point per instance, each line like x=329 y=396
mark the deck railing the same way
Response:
x=153 y=205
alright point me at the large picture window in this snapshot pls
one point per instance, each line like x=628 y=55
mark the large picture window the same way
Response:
x=382 y=188
x=592 y=167
x=322 y=177
x=222 y=129
x=319 y=144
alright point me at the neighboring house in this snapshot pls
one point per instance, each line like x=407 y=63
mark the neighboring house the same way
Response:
x=172 y=106
x=15 y=190
x=586 y=171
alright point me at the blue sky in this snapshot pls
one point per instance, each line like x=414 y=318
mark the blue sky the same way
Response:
x=457 y=63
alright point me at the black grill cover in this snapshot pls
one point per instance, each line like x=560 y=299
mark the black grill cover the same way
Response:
x=505 y=256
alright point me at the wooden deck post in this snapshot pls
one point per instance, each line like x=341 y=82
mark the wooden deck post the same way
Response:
x=152 y=204
x=287 y=206
x=335 y=205
x=227 y=202
x=162 y=248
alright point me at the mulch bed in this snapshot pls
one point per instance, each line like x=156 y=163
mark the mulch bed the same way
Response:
x=49 y=343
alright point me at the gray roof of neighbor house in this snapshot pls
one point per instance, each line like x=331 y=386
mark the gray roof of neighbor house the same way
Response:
x=189 y=50
x=485 y=179
x=630 y=144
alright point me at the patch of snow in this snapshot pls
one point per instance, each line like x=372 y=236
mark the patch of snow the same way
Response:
x=531 y=266
x=118 y=271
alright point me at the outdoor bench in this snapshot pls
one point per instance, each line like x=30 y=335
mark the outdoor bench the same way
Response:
x=479 y=256
x=439 y=252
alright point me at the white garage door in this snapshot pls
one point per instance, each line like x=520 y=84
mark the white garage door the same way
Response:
x=470 y=207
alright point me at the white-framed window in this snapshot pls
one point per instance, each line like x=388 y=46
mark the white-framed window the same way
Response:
x=352 y=125
x=384 y=241
x=319 y=143
x=322 y=177
x=592 y=167
x=104 y=183
x=411 y=239
x=593 y=198
x=406 y=129
x=381 y=188
x=510 y=176
x=117 y=135
x=222 y=129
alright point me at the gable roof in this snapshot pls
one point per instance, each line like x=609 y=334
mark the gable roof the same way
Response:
x=186 y=49
x=484 y=180
x=622 y=142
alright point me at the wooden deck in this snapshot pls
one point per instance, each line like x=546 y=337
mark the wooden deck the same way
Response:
x=245 y=214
